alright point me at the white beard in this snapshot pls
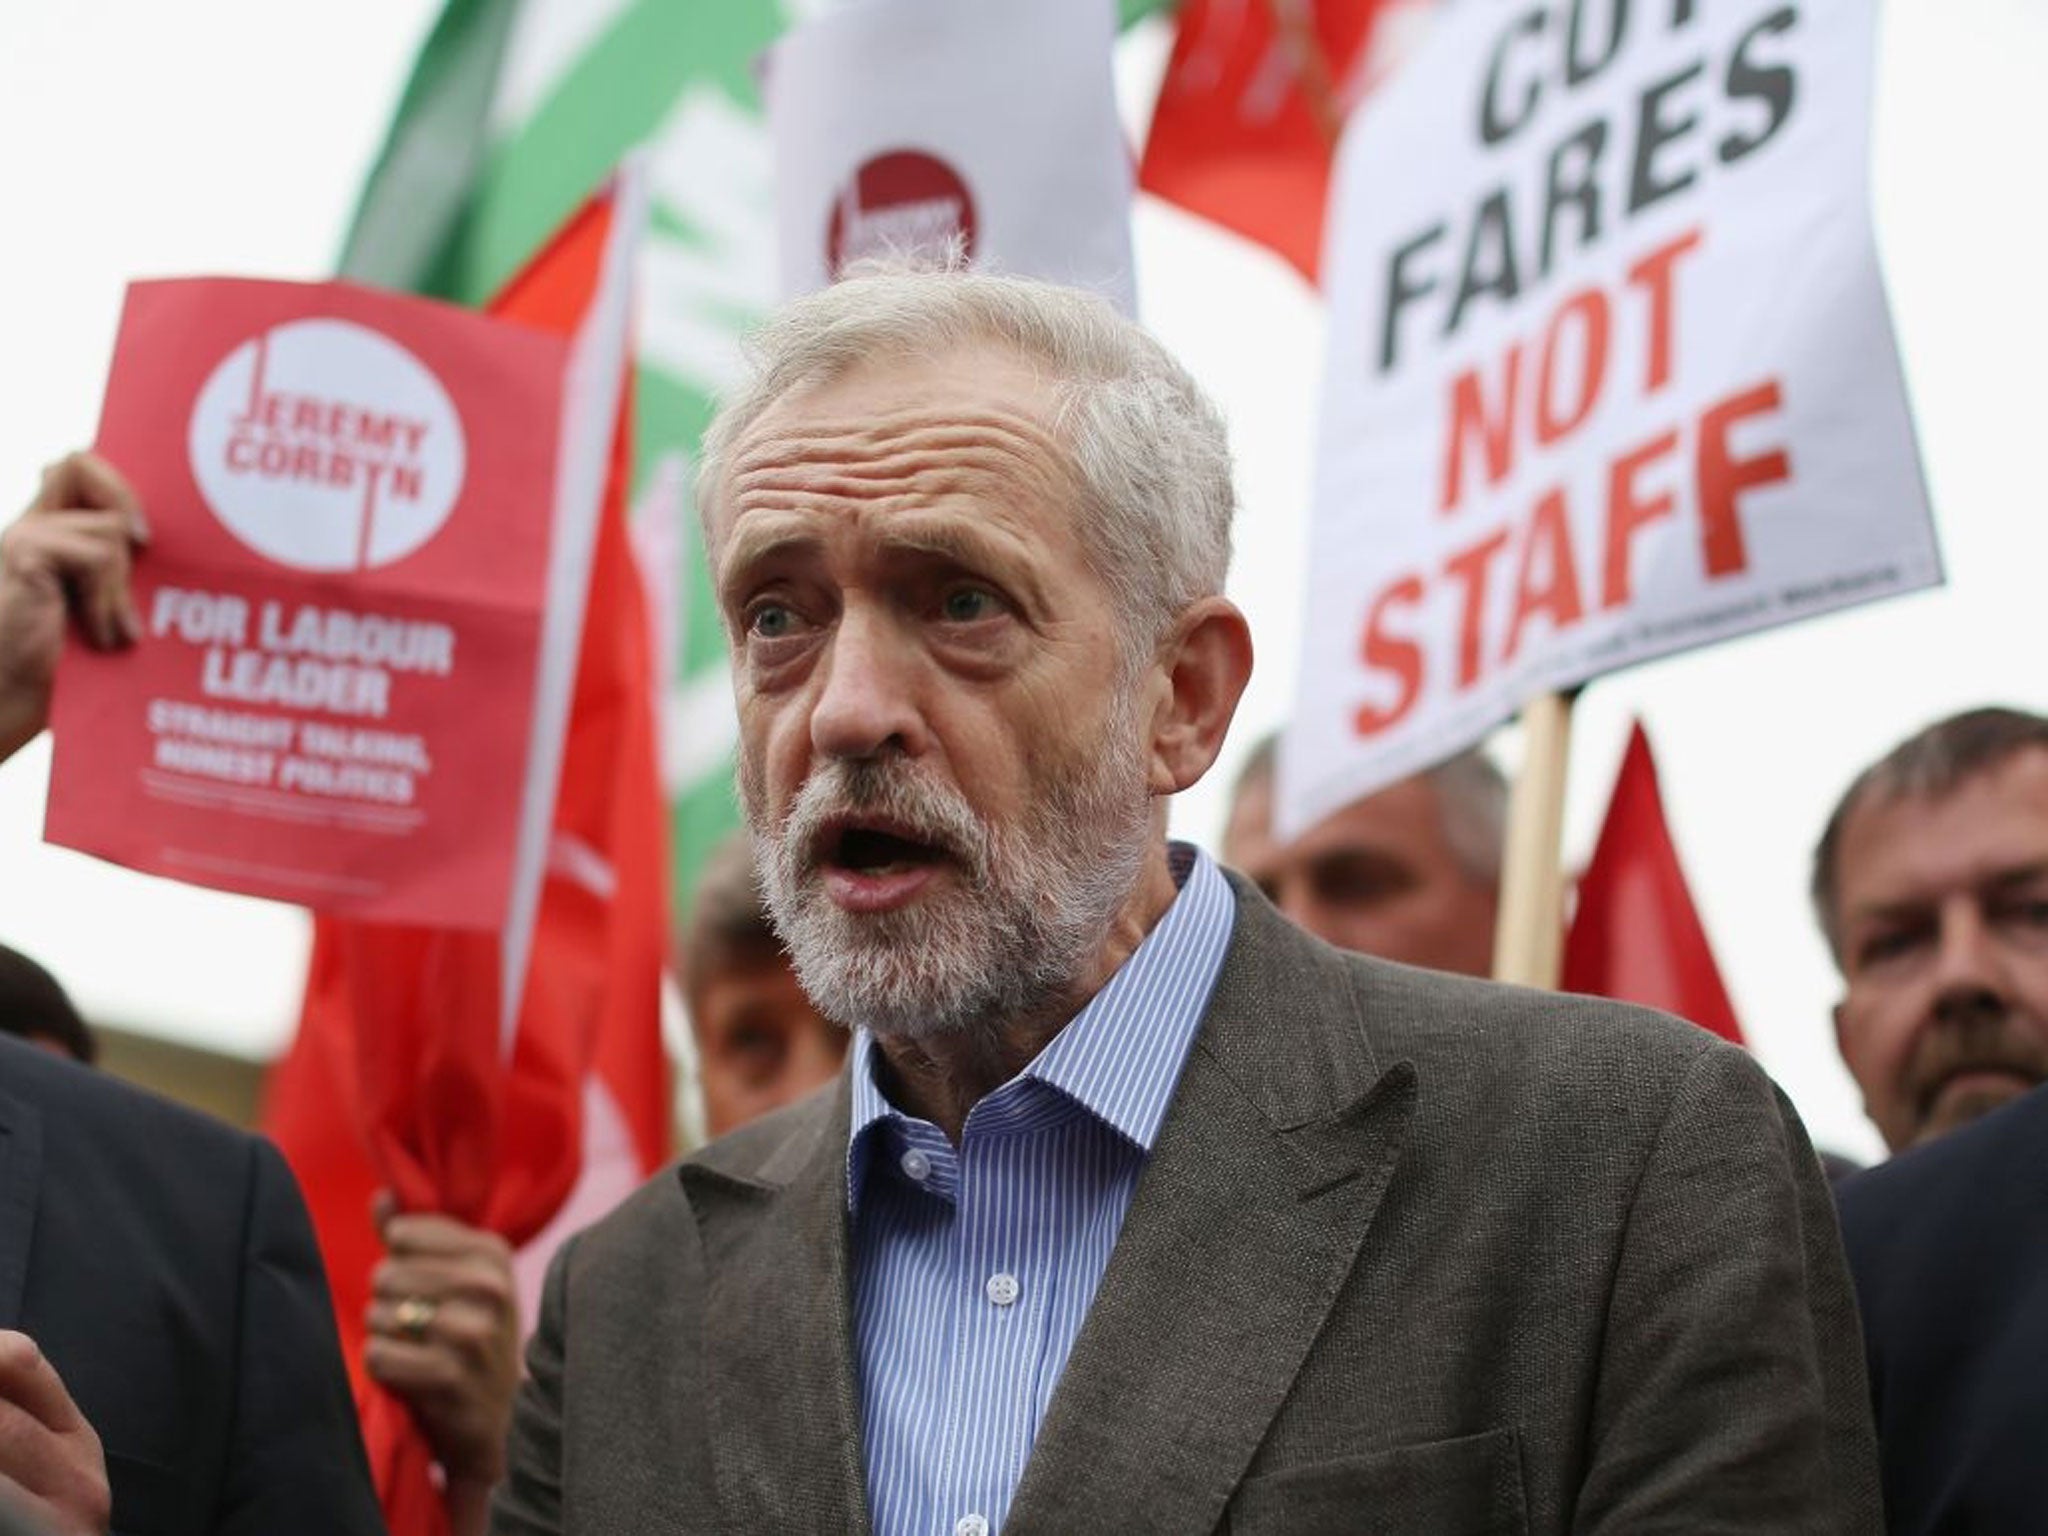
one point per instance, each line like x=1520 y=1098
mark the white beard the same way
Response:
x=1023 y=917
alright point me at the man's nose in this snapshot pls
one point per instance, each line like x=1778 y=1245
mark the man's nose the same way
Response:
x=867 y=697
x=1970 y=975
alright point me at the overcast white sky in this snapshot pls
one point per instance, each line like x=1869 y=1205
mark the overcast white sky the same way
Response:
x=230 y=136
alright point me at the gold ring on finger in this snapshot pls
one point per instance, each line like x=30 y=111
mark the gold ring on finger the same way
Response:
x=415 y=1315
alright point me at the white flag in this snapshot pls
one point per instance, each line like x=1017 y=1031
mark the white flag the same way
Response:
x=901 y=126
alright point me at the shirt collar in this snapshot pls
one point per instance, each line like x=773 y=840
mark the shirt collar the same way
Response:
x=1120 y=1057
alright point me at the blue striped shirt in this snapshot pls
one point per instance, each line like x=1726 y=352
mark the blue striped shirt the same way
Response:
x=973 y=1268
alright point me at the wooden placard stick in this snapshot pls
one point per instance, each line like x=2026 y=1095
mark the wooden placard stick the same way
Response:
x=1528 y=938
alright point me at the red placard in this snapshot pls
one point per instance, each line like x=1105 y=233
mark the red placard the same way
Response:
x=350 y=495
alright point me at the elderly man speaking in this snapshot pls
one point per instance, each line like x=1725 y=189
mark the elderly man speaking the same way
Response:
x=1135 y=1209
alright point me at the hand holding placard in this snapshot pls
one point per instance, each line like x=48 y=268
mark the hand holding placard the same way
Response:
x=68 y=553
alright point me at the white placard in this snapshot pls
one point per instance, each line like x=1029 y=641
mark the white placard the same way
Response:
x=900 y=125
x=1610 y=372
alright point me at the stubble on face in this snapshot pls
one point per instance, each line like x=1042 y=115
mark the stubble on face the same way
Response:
x=1980 y=1053
x=1015 y=929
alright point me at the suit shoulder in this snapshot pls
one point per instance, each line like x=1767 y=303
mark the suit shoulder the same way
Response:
x=758 y=1147
x=1490 y=1028
x=1304 y=1027
x=90 y=1112
x=1473 y=1028
x=1521 y=1069
x=749 y=1155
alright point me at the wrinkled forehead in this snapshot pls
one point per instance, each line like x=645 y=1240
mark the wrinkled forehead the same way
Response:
x=959 y=371
x=977 y=416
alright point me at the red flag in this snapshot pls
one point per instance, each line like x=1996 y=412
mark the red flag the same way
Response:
x=404 y=1074
x=1636 y=935
x=1253 y=98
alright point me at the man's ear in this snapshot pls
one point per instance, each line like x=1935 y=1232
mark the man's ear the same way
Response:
x=1204 y=664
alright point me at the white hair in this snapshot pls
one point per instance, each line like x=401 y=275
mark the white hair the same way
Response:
x=1148 y=446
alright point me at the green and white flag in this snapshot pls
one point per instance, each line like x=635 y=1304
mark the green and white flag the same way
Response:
x=516 y=111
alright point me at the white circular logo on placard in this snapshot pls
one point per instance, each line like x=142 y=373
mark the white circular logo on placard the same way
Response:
x=327 y=446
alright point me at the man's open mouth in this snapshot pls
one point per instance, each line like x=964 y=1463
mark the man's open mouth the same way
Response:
x=871 y=850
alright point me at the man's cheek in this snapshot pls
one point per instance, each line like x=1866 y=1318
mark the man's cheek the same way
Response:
x=1873 y=1048
x=1901 y=1063
x=2031 y=1000
x=753 y=783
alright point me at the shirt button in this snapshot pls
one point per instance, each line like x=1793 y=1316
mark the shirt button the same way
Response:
x=916 y=1165
x=1002 y=1290
x=971 y=1525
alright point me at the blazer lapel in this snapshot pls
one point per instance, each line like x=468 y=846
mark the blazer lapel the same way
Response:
x=783 y=1412
x=21 y=1176
x=1282 y=1139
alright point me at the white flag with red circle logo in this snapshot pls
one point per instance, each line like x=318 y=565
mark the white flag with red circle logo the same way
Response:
x=906 y=127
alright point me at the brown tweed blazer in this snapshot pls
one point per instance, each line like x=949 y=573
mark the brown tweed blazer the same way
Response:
x=1413 y=1254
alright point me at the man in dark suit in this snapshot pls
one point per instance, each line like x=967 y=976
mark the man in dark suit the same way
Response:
x=1931 y=885
x=1949 y=1244
x=158 y=1276
x=1137 y=1209
x=168 y=1359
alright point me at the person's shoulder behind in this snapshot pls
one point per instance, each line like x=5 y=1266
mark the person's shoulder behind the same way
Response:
x=89 y=1112
x=1970 y=1178
x=124 y=1170
x=174 y=1282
